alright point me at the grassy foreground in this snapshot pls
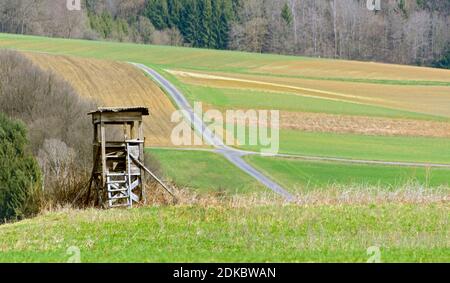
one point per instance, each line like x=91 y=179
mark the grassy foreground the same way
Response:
x=272 y=233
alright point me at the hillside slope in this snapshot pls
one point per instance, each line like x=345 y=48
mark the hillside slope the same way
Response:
x=113 y=84
x=228 y=61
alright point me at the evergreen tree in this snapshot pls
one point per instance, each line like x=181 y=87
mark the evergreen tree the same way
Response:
x=190 y=22
x=444 y=62
x=215 y=24
x=224 y=25
x=157 y=11
x=175 y=8
x=19 y=172
x=286 y=14
x=204 y=39
x=105 y=24
x=236 y=7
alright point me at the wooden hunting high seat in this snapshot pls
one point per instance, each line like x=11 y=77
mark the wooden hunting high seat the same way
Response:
x=118 y=161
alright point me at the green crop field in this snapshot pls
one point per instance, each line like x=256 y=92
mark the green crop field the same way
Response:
x=204 y=172
x=272 y=233
x=304 y=176
x=407 y=149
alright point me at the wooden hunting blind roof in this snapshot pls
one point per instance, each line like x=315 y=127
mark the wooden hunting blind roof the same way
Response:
x=143 y=110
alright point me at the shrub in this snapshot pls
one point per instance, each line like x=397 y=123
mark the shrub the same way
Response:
x=62 y=182
x=19 y=173
x=444 y=62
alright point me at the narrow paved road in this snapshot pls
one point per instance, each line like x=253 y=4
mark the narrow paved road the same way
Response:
x=233 y=155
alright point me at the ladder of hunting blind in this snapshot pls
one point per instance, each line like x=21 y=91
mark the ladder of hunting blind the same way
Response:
x=121 y=186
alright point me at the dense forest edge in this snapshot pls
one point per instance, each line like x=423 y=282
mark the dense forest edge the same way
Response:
x=405 y=32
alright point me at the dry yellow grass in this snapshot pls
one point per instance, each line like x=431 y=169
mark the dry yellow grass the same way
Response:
x=320 y=122
x=112 y=84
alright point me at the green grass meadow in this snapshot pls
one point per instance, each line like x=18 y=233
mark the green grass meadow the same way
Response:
x=293 y=142
x=205 y=172
x=403 y=233
x=303 y=176
x=362 y=147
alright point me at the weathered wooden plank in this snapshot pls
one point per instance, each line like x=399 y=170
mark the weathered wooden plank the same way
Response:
x=141 y=158
x=103 y=142
x=113 y=118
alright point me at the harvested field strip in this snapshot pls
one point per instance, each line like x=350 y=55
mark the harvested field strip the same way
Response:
x=318 y=122
x=338 y=69
x=428 y=100
x=304 y=176
x=352 y=80
x=115 y=84
x=344 y=124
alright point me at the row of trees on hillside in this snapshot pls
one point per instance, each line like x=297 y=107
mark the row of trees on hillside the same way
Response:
x=407 y=32
x=198 y=23
x=203 y=23
x=42 y=17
